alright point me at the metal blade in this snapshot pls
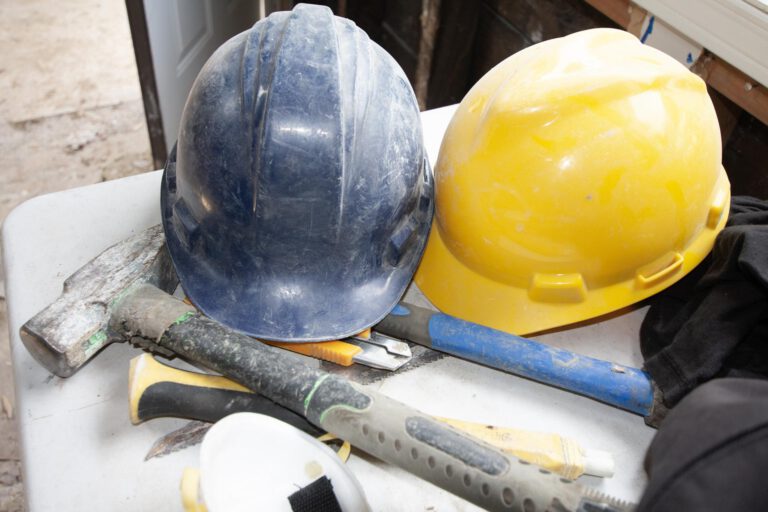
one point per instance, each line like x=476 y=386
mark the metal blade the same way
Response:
x=377 y=357
x=390 y=344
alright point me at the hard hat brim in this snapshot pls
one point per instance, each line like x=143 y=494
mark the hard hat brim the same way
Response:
x=459 y=291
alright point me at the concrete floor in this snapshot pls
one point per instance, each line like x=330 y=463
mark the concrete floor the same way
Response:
x=70 y=115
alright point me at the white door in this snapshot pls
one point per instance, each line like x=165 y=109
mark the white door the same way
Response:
x=182 y=35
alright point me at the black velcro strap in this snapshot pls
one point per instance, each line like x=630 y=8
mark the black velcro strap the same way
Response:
x=316 y=497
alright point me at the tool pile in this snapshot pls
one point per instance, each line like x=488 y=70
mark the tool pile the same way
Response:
x=296 y=207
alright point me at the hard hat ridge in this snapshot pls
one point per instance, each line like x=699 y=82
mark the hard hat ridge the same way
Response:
x=297 y=202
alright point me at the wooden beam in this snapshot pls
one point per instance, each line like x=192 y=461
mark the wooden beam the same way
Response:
x=636 y=18
x=430 y=20
x=624 y=13
x=617 y=10
x=734 y=85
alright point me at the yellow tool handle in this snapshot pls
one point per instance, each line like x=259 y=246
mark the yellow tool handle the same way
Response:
x=556 y=453
x=146 y=371
x=338 y=352
x=157 y=390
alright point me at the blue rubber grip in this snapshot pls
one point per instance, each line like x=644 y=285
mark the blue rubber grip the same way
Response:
x=621 y=386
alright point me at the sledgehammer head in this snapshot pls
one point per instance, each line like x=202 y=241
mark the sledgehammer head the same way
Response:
x=69 y=332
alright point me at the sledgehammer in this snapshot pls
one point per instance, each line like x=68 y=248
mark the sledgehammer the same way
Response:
x=116 y=297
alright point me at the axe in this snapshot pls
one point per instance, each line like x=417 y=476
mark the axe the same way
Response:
x=122 y=295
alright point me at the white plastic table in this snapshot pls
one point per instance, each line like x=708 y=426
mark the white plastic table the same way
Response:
x=80 y=451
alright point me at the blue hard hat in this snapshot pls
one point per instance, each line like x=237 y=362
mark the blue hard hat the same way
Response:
x=297 y=201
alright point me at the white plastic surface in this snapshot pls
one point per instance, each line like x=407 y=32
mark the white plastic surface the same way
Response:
x=253 y=462
x=80 y=451
x=599 y=463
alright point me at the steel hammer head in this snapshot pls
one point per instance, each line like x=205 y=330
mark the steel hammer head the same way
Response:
x=70 y=331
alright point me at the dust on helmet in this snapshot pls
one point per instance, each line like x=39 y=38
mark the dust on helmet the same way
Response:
x=298 y=198
x=578 y=176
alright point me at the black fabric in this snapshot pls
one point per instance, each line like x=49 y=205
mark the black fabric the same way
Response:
x=315 y=497
x=714 y=322
x=711 y=452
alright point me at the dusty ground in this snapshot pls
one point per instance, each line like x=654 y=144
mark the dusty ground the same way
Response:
x=70 y=115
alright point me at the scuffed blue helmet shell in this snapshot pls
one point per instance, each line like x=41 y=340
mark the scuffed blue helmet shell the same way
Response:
x=297 y=201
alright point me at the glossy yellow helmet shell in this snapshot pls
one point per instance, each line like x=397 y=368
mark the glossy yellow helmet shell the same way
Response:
x=578 y=176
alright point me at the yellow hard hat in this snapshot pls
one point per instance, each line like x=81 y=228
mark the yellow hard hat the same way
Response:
x=578 y=176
